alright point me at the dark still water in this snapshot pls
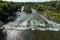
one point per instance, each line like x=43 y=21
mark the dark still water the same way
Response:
x=30 y=35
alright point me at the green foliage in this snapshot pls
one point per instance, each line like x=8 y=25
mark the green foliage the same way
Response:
x=53 y=7
x=3 y=15
x=7 y=10
x=27 y=9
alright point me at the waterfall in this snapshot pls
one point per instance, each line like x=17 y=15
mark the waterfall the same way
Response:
x=26 y=21
x=22 y=8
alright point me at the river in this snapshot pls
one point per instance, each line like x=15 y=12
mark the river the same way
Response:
x=29 y=27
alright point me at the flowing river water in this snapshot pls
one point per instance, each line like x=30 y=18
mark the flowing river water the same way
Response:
x=16 y=30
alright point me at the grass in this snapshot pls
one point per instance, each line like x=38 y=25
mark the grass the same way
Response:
x=53 y=14
x=49 y=11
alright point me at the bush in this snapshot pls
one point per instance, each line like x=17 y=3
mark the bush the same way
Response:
x=3 y=15
x=27 y=9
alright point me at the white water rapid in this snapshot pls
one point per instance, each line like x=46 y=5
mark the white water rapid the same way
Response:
x=28 y=21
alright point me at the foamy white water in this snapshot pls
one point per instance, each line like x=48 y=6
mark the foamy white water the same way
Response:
x=14 y=35
x=33 y=21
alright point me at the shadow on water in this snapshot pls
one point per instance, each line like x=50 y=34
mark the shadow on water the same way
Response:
x=41 y=35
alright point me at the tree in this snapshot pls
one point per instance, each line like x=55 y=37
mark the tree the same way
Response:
x=3 y=15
